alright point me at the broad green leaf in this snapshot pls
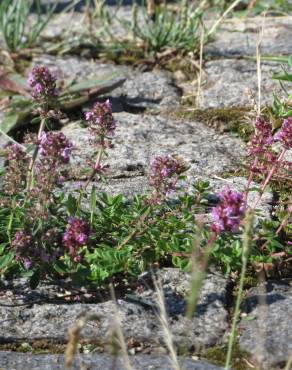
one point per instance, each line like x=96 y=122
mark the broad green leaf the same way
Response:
x=9 y=121
x=35 y=279
x=6 y=260
x=71 y=205
x=104 y=82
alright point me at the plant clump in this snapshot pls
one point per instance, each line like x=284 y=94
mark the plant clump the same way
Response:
x=48 y=232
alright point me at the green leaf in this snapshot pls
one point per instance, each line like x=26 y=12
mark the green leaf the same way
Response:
x=35 y=279
x=72 y=205
x=6 y=260
x=60 y=267
x=93 y=83
x=9 y=121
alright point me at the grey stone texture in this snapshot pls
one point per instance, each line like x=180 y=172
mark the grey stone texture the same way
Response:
x=139 y=138
x=234 y=83
x=154 y=90
x=267 y=336
x=139 y=322
x=21 y=361
x=238 y=37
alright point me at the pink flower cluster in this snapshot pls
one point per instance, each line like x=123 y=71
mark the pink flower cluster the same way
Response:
x=55 y=146
x=76 y=235
x=101 y=121
x=15 y=153
x=30 y=251
x=285 y=134
x=43 y=84
x=229 y=212
x=165 y=171
x=261 y=151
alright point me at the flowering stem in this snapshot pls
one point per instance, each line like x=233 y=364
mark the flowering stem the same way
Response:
x=250 y=177
x=247 y=238
x=141 y=220
x=268 y=178
x=96 y=167
x=94 y=171
x=34 y=156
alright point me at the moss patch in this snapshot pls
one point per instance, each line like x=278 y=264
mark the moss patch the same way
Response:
x=222 y=119
x=217 y=356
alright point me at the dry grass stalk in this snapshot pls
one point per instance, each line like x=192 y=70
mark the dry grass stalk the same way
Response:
x=259 y=71
x=219 y=20
x=162 y=316
x=289 y=364
x=246 y=243
x=200 y=67
x=118 y=333
x=74 y=337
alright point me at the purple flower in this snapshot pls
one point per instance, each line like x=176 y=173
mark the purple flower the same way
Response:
x=15 y=175
x=22 y=242
x=165 y=171
x=262 y=138
x=55 y=146
x=101 y=121
x=229 y=212
x=75 y=236
x=285 y=134
x=15 y=152
x=260 y=148
x=43 y=84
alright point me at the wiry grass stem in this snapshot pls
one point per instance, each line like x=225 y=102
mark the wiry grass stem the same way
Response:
x=119 y=333
x=74 y=336
x=167 y=335
x=247 y=238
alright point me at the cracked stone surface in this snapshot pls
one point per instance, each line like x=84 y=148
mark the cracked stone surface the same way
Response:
x=268 y=335
x=20 y=361
x=141 y=137
x=154 y=90
x=139 y=321
x=238 y=38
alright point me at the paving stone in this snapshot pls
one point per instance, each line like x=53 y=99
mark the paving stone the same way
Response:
x=21 y=361
x=139 y=138
x=141 y=90
x=139 y=322
x=238 y=37
x=230 y=81
x=268 y=335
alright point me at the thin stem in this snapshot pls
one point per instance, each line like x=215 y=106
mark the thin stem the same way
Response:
x=247 y=238
x=34 y=156
x=198 y=272
x=96 y=167
x=93 y=173
x=216 y=24
x=250 y=177
x=268 y=178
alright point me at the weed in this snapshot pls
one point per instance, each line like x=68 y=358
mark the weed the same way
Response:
x=14 y=23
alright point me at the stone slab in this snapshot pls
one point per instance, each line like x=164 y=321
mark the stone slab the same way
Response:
x=267 y=336
x=139 y=138
x=50 y=321
x=153 y=89
x=231 y=82
x=238 y=37
x=21 y=361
